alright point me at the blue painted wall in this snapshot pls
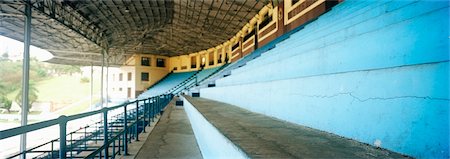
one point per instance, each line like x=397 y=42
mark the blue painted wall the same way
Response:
x=366 y=70
x=213 y=145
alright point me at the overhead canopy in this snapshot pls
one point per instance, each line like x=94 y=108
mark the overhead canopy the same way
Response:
x=76 y=31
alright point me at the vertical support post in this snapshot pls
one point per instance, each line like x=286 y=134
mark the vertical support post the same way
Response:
x=137 y=120
x=51 y=154
x=84 y=140
x=62 y=136
x=149 y=109
x=107 y=77
x=26 y=76
x=144 y=112
x=105 y=132
x=125 y=128
x=101 y=79
x=92 y=85
x=118 y=146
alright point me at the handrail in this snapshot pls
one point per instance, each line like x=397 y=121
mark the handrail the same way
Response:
x=210 y=75
x=172 y=91
x=154 y=104
x=194 y=76
x=24 y=129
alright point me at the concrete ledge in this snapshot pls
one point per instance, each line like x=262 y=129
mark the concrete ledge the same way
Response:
x=259 y=136
x=210 y=140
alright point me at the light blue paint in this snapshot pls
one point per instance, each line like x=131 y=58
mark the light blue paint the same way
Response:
x=211 y=142
x=408 y=42
x=169 y=82
x=366 y=70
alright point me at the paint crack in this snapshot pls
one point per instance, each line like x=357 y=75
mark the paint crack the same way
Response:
x=360 y=99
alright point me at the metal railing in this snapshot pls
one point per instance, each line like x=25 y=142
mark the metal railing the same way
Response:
x=190 y=79
x=207 y=77
x=113 y=132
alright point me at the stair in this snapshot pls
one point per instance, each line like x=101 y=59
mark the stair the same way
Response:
x=260 y=136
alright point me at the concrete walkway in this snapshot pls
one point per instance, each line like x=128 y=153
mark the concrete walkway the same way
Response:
x=260 y=136
x=172 y=137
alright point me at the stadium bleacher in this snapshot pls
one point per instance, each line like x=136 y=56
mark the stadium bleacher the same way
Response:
x=373 y=58
x=167 y=83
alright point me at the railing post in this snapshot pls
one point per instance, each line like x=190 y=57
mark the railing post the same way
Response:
x=125 y=130
x=149 y=111
x=144 y=112
x=153 y=108
x=105 y=131
x=62 y=136
x=156 y=105
x=161 y=103
x=137 y=120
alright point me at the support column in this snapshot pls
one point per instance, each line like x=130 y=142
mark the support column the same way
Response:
x=92 y=85
x=26 y=76
x=107 y=81
x=101 y=78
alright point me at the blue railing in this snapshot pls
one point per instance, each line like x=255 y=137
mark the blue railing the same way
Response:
x=114 y=132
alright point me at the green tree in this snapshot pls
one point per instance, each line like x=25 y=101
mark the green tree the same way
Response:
x=5 y=103
x=32 y=96
x=2 y=89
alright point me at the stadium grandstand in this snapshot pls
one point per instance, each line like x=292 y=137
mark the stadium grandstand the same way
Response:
x=244 y=78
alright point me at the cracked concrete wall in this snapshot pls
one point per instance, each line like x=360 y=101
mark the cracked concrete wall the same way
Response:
x=367 y=70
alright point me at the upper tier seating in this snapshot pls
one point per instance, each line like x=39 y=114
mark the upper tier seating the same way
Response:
x=201 y=75
x=246 y=59
x=205 y=73
x=323 y=36
x=166 y=84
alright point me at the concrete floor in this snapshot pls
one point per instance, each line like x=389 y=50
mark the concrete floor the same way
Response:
x=260 y=136
x=172 y=137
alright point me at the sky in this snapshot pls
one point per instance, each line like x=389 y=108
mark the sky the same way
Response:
x=15 y=50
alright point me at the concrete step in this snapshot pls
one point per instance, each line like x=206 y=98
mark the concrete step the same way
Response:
x=253 y=135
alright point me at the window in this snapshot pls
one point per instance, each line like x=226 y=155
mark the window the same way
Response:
x=129 y=76
x=235 y=46
x=175 y=68
x=120 y=77
x=267 y=20
x=145 y=61
x=249 y=35
x=226 y=57
x=211 y=58
x=160 y=62
x=183 y=67
x=144 y=76
x=219 y=60
x=129 y=92
x=193 y=61
x=113 y=77
x=120 y=89
x=203 y=61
